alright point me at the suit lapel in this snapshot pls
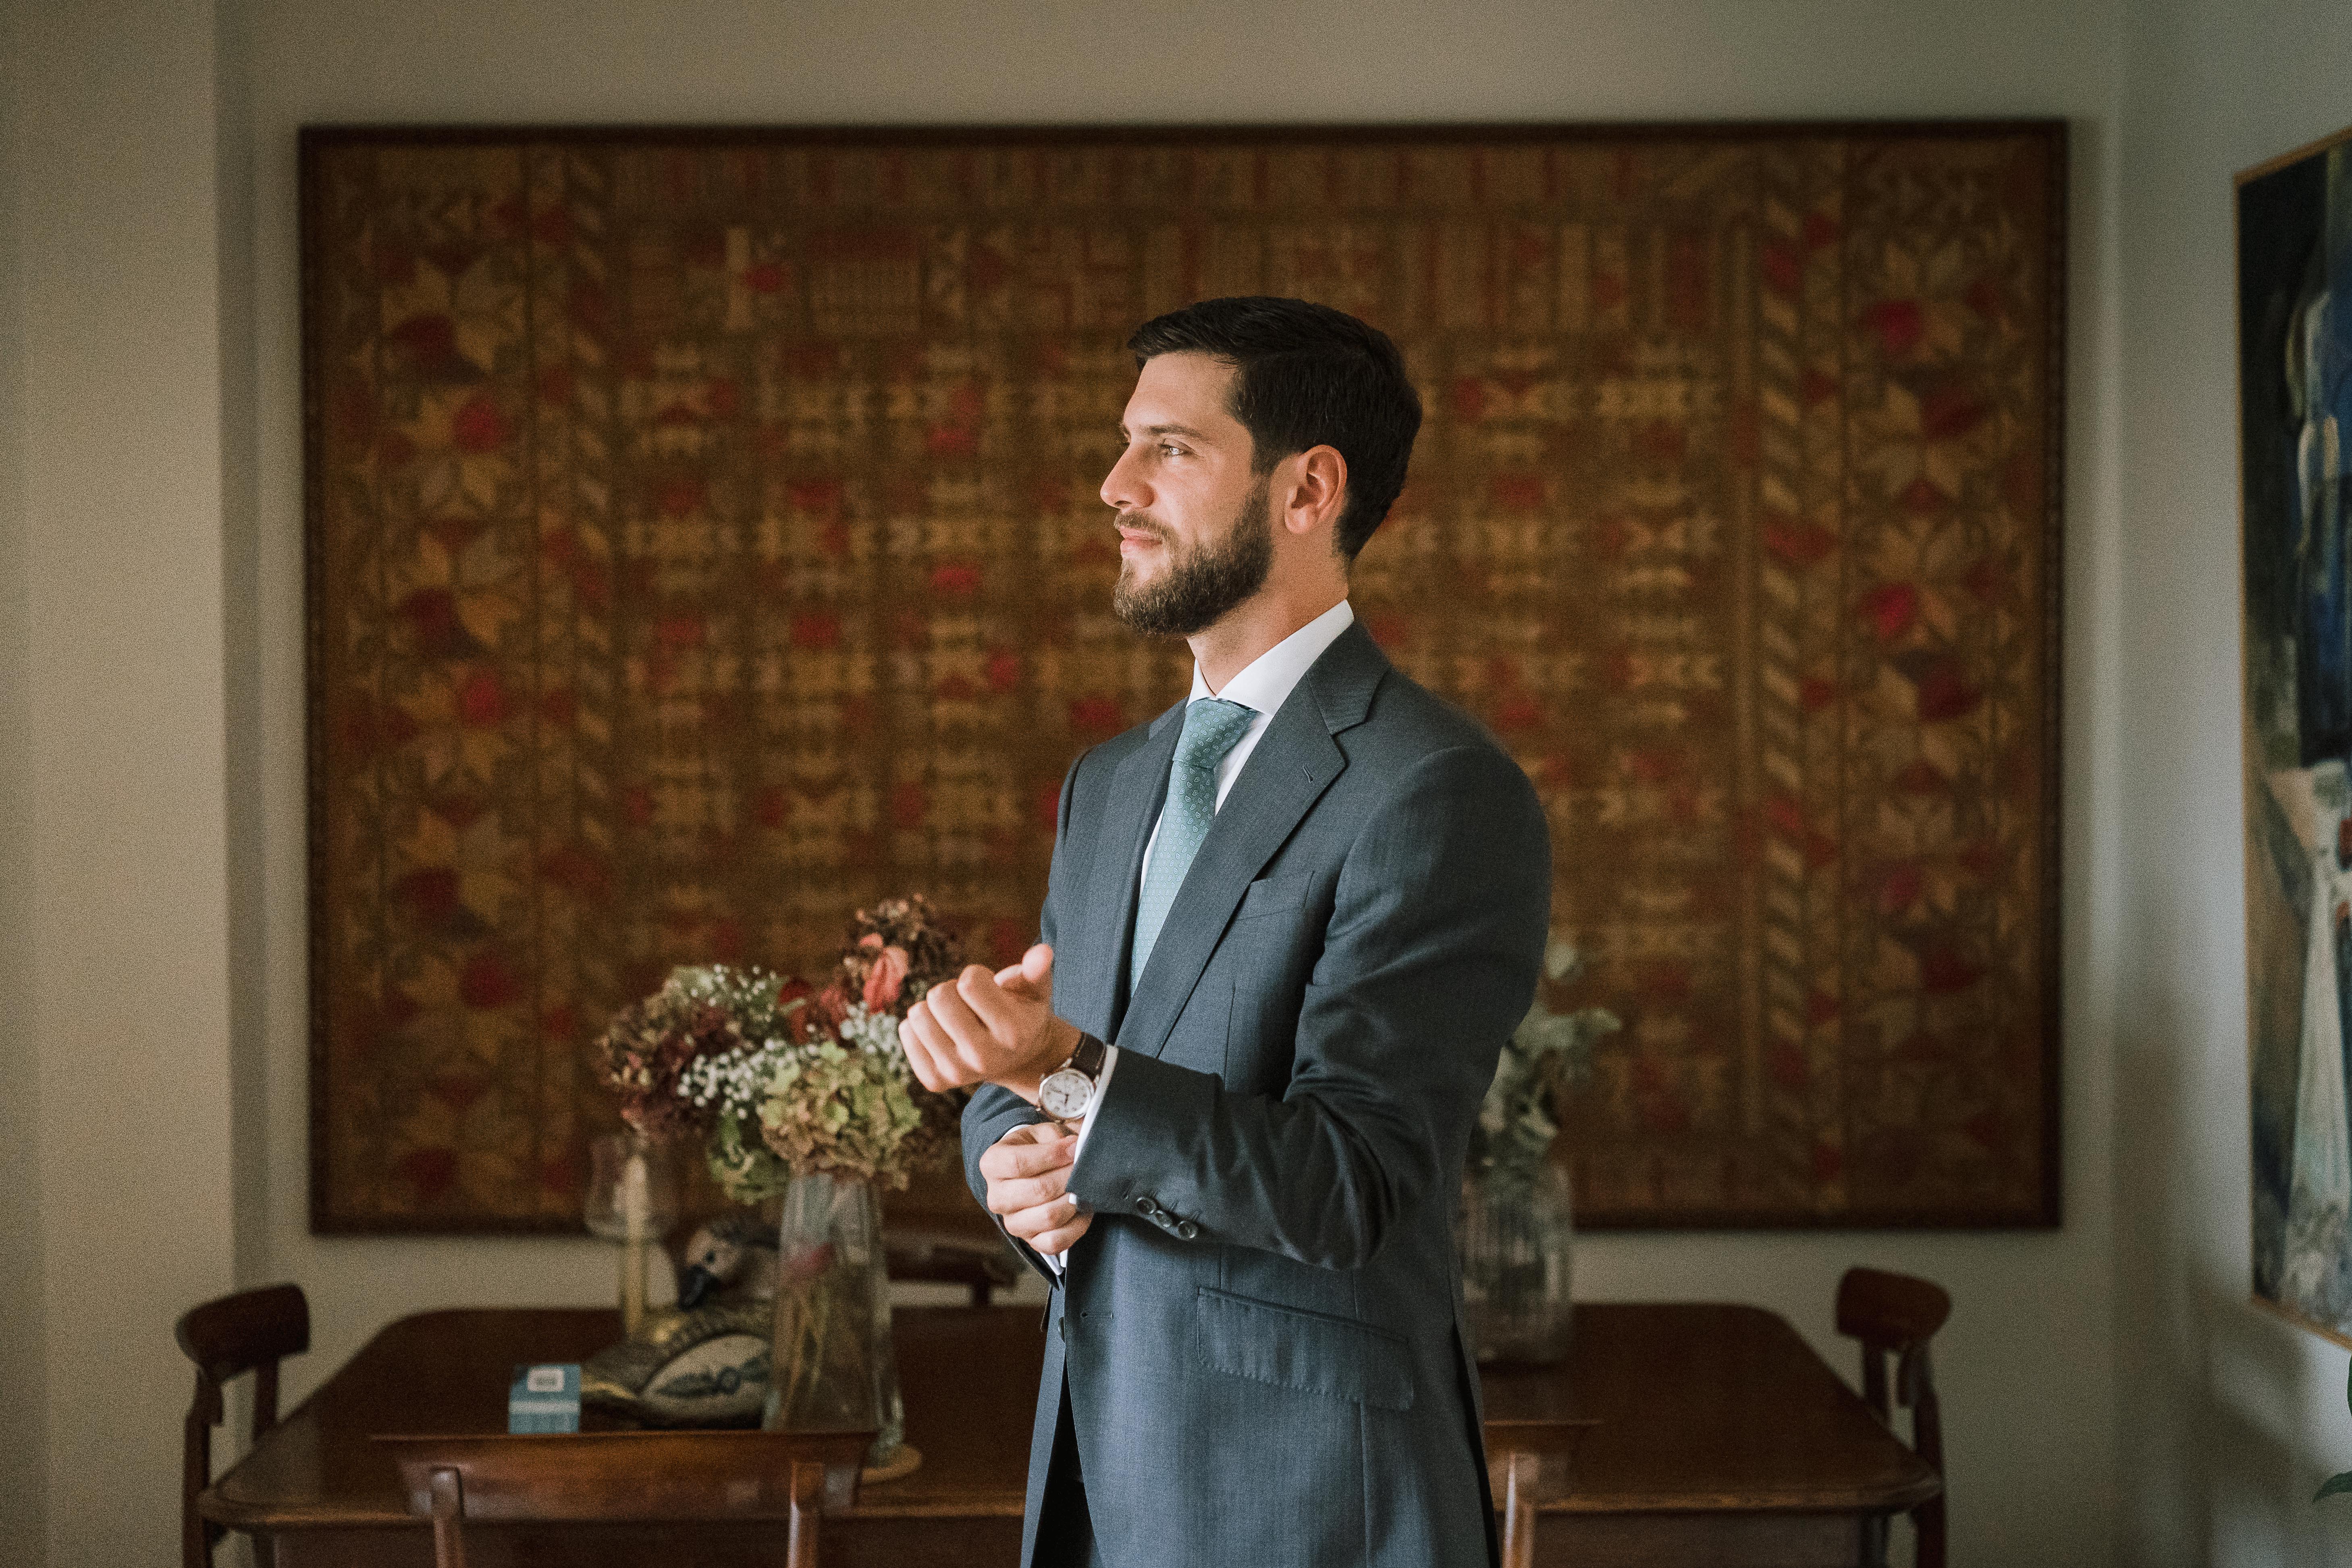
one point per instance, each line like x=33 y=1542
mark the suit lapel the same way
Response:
x=1137 y=790
x=1294 y=764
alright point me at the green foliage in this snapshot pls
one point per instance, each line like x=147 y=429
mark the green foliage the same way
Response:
x=1548 y=1050
x=746 y=1169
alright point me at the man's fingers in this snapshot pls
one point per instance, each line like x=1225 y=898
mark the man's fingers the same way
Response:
x=1013 y=1159
x=998 y=1013
x=1062 y=1240
x=1018 y=1193
x=967 y=1035
x=1032 y=977
x=919 y=1056
x=1049 y=1227
x=930 y=1053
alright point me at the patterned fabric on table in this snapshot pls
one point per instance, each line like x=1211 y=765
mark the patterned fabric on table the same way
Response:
x=704 y=541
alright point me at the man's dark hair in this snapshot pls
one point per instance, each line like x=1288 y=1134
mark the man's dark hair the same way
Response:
x=1308 y=377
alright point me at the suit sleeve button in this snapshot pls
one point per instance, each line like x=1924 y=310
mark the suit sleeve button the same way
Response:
x=1146 y=1205
x=1188 y=1230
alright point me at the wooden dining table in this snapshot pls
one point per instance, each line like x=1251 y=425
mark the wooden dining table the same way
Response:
x=1719 y=1437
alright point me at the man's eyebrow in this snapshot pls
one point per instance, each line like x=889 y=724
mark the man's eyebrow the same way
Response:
x=1166 y=430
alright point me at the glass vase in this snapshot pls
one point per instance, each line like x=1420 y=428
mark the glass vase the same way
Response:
x=1515 y=1237
x=832 y=1365
x=633 y=1200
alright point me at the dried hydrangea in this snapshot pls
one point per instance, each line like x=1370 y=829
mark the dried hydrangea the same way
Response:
x=840 y=1111
x=896 y=950
x=1513 y=1137
x=701 y=1013
x=746 y=1169
x=895 y=953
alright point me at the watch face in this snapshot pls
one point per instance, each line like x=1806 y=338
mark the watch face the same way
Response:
x=1065 y=1093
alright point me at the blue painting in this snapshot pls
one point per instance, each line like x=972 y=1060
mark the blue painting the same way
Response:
x=2294 y=338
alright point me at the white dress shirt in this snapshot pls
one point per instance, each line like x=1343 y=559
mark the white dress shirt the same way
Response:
x=1263 y=685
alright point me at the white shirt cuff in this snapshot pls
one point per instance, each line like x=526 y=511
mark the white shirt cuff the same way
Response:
x=1086 y=1125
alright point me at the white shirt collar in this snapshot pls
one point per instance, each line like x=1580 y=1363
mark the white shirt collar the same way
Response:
x=1269 y=678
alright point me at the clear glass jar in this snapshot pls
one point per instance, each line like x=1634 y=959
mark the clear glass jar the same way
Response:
x=1515 y=1238
x=832 y=1365
x=632 y=1199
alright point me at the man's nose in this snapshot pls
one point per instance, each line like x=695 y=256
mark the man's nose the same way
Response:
x=1122 y=490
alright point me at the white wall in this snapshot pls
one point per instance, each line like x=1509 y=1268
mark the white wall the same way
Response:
x=118 y=658
x=177 y=891
x=2228 y=1417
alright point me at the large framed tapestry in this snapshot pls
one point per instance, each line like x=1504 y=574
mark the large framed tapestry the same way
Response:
x=2295 y=360
x=704 y=541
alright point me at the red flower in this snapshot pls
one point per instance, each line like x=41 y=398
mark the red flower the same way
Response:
x=882 y=981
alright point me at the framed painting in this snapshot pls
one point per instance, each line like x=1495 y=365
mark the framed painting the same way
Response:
x=2294 y=396
x=704 y=541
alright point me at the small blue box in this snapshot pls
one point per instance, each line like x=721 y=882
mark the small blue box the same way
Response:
x=544 y=1398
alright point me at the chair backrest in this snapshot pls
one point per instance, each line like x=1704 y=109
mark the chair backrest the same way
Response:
x=1896 y=1315
x=251 y=1332
x=1517 y=1449
x=983 y=1265
x=590 y=1476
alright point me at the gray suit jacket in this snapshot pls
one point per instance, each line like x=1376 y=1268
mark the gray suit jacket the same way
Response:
x=1260 y=1329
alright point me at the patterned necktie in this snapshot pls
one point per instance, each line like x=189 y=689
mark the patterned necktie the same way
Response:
x=1212 y=726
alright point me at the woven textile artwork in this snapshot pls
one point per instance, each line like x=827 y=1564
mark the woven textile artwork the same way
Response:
x=704 y=541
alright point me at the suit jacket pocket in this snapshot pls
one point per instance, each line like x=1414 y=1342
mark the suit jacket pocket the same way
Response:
x=1274 y=895
x=1310 y=1352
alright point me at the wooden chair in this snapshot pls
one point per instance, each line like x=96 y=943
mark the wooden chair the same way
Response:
x=1896 y=1315
x=1515 y=1453
x=985 y=1265
x=594 y=1476
x=251 y=1332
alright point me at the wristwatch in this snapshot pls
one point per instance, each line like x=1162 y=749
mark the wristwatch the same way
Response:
x=1069 y=1089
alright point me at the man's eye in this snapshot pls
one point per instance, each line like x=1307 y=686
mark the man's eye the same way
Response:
x=1170 y=449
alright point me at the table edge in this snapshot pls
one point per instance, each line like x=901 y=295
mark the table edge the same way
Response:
x=221 y=1507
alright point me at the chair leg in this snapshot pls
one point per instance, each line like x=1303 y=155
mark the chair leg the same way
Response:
x=196 y=1533
x=808 y=1502
x=1927 y=1524
x=448 y=1519
x=1874 y=1540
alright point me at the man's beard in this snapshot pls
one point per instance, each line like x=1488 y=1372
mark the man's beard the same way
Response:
x=1201 y=586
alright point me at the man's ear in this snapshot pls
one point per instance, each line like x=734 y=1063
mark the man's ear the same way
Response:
x=1314 y=492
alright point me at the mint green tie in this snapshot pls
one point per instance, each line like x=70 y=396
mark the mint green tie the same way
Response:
x=1212 y=727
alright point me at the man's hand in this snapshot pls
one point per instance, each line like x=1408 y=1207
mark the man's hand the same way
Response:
x=995 y=1028
x=1028 y=1172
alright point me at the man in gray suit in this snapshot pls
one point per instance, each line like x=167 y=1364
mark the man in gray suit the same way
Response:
x=1289 y=924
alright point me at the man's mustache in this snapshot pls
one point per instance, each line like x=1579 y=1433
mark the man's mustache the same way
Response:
x=1142 y=522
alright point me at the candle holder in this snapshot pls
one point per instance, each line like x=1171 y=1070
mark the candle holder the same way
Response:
x=633 y=1200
